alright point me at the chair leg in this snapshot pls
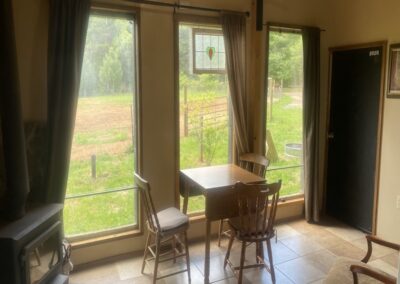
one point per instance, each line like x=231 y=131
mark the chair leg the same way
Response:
x=259 y=251
x=174 y=247
x=187 y=256
x=228 y=252
x=158 y=244
x=146 y=250
x=220 y=229
x=242 y=257
x=271 y=262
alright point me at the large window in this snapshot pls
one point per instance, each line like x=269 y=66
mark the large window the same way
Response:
x=285 y=109
x=100 y=195
x=204 y=117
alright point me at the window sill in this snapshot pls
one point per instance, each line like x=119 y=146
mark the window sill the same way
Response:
x=92 y=241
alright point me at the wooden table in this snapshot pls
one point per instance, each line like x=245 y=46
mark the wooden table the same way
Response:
x=216 y=184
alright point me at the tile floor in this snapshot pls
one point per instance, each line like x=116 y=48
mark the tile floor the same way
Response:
x=303 y=253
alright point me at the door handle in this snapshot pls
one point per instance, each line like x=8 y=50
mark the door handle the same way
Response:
x=331 y=135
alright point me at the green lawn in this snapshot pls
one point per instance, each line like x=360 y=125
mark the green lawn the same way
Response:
x=103 y=129
x=286 y=127
x=109 y=138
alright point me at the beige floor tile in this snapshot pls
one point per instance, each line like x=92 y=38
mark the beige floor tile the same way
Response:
x=285 y=231
x=300 y=271
x=280 y=252
x=255 y=276
x=261 y=275
x=129 y=268
x=303 y=227
x=144 y=279
x=302 y=245
x=234 y=256
x=195 y=274
x=345 y=232
x=380 y=264
x=197 y=250
x=346 y=249
x=217 y=271
x=325 y=238
x=378 y=251
x=231 y=280
x=320 y=281
x=106 y=273
x=323 y=260
x=392 y=259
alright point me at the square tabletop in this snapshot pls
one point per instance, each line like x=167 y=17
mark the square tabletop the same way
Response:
x=214 y=177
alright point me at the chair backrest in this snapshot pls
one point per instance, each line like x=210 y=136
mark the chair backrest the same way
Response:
x=147 y=202
x=254 y=163
x=255 y=216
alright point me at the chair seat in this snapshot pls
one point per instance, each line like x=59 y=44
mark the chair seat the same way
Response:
x=340 y=272
x=171 y=218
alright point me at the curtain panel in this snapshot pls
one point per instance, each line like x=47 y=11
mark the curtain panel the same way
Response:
x=234 y=30
x=67 y=34
x=16 y=185
x=311 y=119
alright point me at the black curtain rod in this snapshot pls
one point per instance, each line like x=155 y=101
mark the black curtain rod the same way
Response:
x=179 y=6
x=288 y=26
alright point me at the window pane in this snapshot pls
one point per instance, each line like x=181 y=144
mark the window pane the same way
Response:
x=209 y=43
x=285 y=111
x=99 y=212
x=204 y=110
x=103 y=148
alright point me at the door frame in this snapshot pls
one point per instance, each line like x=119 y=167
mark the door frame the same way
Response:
x=384 y=45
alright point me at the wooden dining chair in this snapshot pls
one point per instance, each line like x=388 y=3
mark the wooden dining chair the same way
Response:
x=257 y=205
x=255 y=163
x=163 y=226
x=252 y=162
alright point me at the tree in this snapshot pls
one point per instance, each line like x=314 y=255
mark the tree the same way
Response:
x=285 y=57
x=110 y=73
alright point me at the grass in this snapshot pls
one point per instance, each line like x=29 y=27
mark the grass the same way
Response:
x=286 y=127
x=98 y=213
x=100 y=137
x=108 y=136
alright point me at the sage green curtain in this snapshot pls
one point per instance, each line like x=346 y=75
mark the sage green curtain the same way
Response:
x=15 y=167
x=311 y=120
x=67 y=34
x=234 y=30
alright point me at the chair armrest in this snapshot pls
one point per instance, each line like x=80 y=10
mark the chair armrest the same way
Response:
x=373 y=239
x=371 y=273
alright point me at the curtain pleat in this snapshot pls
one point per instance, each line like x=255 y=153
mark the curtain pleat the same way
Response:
x=67 y=34
x=234 y=30
x=311 y=106
x=13 y=140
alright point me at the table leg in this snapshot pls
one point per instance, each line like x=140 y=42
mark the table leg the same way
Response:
x=207 y=257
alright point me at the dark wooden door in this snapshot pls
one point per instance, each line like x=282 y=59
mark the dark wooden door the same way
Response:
x=354 y=134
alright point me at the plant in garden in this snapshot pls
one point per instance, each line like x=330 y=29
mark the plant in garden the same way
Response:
x=205 y=127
